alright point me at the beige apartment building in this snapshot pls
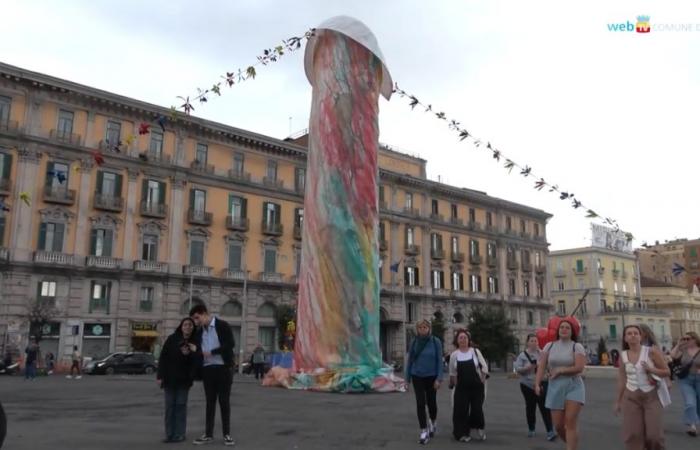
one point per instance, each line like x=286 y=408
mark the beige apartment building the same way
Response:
x=119 y=232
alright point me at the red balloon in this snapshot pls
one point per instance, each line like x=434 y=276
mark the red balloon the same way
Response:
x=542 y=337
x=555 y=321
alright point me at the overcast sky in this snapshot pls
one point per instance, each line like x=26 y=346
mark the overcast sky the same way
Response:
x=609 y=116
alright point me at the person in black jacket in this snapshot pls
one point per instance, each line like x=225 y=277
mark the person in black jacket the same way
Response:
x=175 y=370
x=216 y=339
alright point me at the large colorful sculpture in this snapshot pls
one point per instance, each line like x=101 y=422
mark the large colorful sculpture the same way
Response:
x=337 y=335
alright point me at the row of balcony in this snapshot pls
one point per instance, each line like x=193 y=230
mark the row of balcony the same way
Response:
x=601 y=270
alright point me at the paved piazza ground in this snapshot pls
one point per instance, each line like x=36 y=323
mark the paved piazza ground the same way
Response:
x=124 y=412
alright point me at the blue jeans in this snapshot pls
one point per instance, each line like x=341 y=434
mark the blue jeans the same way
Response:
x=690 y=387
x=30 y=370
x=176 y=411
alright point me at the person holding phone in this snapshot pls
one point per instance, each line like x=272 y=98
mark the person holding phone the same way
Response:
x=687 y=355
x=175 y=375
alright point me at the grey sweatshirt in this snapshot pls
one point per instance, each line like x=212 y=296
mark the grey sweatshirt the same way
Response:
x=528 y=379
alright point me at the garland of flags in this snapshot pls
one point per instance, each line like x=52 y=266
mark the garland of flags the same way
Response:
x=294 y=43
x=509 y=164
x=240 y=75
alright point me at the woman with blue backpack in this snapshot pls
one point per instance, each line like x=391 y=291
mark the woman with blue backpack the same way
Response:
x=424 y=369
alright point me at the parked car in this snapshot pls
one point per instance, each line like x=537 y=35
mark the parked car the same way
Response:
x=131 y=362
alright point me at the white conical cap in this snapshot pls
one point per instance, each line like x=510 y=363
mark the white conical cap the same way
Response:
x=360 y=33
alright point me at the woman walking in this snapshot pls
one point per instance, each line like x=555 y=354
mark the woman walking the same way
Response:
x=638 y=392
x=468 y=373
x=425 y=369
x=565 y=359
x=526 y=367
x=175 y=373
x=688 y=352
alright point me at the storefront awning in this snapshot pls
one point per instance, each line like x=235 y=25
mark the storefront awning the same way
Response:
x=145 y=333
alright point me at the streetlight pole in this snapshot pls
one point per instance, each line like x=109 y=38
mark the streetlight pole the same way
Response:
x=244 y=310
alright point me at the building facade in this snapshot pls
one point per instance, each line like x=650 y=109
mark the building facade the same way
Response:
x=657 y=261
x=614 y=299
x=683 y=306
x=117 y=217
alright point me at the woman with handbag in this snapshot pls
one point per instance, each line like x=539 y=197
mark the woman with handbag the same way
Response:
x=640 y=392
x=424 y=368
x=468 y=374
x=526 y=366
x=565 y=359
x=687 y=370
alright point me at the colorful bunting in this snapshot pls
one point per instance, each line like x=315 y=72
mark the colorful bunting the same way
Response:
x=144 y=128
x=130 y=140
x=4 y=207
x=268 y=56
x=99 y=159
x=161 y=121
x=525 y=170
x=677 y=269
x=57 y=174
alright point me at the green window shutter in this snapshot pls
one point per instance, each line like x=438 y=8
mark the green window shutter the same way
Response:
x=161 y=193
x=234 y=257
x=2 y=231
x=49 y=168
x=192 y=199
x=92 y=291
x=579 y=265
x=278 y=214
x=230 y=203
x=108 y=293
x=478 y=283
x=442 y=279
x=264 y=212
x=58 y=237
x=42 y=236
x=144 y=189
x=118 y=186
x=98 y=185
x=417 y=277
x=93 y=241
x=461 y=281
x=244 y=207
x=6 y=166
x=107 y=246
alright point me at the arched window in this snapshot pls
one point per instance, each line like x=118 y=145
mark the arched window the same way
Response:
x=458 y=317
x=232 y=308
x=266 y=310
x=185 y=309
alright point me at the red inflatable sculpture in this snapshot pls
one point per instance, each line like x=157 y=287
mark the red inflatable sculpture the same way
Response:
x=549 y=334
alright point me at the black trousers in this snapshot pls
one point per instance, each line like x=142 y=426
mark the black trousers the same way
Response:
x=468 y=410
x=259 y=369
x=533 y=401
x=424 y=388
x=217 y=382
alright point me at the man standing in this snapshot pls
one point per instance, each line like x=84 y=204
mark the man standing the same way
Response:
x=32 y=352
x=217 y=345
x=259 y=361
x=77 y=360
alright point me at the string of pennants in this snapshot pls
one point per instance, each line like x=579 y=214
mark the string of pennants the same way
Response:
x=294 y=43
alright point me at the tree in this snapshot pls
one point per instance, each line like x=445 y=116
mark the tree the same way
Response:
x=284 y=315
x=437 y=324
x=491 y=332
x=40 y=313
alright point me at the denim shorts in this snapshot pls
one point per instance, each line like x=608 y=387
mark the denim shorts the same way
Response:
x=562 y=389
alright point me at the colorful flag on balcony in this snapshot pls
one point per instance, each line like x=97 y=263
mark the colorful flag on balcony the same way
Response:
x=161 y=122
x=144 y=128
x=677 y=269
x=58 y=174
x=24 y=196
x=4 y=207
x=98 y=158
x=395 y=267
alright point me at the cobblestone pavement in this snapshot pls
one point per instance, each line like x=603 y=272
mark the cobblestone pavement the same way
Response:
x=125 y=412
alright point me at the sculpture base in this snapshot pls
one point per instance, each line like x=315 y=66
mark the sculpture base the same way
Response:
x=344 y=380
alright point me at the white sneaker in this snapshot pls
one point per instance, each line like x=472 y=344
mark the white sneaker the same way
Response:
x=78 y=377
x=465 y=439
x=424 y=437
x=481 y=435
x=69 y=376
x=432 y=428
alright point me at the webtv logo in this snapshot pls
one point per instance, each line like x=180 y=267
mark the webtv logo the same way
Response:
x=642 y=26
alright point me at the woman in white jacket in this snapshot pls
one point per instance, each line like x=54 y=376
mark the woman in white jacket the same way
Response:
x=468 y=373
